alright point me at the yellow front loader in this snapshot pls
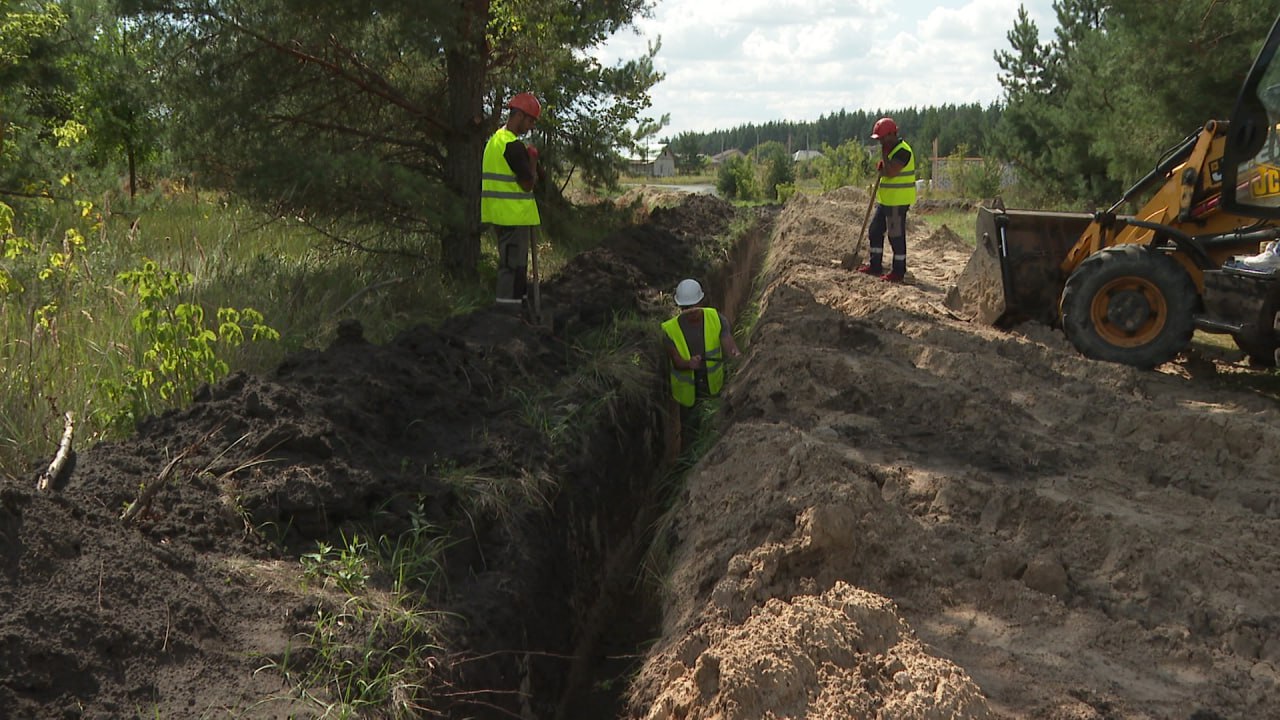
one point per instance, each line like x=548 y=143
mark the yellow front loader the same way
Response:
x=1133 y=288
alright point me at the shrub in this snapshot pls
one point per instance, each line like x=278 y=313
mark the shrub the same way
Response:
x=737 y=180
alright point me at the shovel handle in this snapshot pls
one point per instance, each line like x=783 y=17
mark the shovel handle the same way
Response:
x=871 y=204
x=535 y=296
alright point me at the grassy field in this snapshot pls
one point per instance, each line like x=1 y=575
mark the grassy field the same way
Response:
x=111 y=316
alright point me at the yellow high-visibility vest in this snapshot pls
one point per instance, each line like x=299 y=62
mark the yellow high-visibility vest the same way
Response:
x=683 y=388
x=901 y=188
x=502 y=200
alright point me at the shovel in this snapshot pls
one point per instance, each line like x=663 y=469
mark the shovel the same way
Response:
x=849 y=262
x=536 y=318
x=871 y=205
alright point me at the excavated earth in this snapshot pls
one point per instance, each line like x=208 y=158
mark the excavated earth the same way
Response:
x=912 y=515
x=907 y=514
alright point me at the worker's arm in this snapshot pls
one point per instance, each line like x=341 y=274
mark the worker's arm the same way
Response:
x=692 y=363
x=730 y=345
x=891 y=166
x=517 y=156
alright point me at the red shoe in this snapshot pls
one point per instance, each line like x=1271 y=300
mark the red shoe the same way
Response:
x=868 y=270
x=892 y=277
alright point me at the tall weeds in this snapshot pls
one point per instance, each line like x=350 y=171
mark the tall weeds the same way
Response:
x=115 y=315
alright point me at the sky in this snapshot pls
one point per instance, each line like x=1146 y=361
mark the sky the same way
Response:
x=733 y=62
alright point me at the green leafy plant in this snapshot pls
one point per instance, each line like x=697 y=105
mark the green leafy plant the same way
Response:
x=12 y=247
x=975 y=178
x=848 y=164
x=42 y=283
x=180 y=349
x=345 y=565
x=780 y=169
x=413 y=559
x=737 y=179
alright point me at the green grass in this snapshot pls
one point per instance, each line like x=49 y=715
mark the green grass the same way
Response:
x=1263 y=381
x=67 y=321
x=698 y=179
x=370 y=647
x=961 y=222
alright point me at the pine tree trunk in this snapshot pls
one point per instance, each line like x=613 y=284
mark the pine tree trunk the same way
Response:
x=460 y=247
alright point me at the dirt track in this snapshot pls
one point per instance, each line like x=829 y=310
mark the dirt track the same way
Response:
x=908 y=515
x=913 y=516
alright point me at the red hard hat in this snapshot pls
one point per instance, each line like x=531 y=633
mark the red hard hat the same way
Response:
x=883 y=127
x=527 y=104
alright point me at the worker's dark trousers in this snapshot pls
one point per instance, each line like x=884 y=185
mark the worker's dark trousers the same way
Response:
x=890 y=220
x=691 y=417
x=513 y=261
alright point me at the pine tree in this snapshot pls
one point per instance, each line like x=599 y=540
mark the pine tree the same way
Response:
x=370 y=116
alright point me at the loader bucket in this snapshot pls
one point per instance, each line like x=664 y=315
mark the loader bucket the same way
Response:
x=1015 y=271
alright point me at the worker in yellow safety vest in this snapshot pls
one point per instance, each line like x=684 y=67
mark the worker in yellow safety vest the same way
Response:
x=697 y=340
x=895 y=192
x=508 y=176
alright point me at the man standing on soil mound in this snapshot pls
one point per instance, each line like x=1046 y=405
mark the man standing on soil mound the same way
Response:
x=697 y=339
x=506 y=196
x=895 y=192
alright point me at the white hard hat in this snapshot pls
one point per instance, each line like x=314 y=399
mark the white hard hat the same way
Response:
x=688 y=292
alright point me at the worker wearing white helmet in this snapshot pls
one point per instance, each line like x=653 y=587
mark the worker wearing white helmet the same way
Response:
x=697 y=340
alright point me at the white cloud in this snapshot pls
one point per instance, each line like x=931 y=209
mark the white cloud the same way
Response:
x=731 y=62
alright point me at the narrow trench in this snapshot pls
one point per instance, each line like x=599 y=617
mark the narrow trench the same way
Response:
x=614 y=612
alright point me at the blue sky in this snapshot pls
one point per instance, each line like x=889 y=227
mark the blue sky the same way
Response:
x=731 y=62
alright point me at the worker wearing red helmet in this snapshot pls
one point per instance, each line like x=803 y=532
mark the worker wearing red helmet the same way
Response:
x=508 y=176
x=895 y=193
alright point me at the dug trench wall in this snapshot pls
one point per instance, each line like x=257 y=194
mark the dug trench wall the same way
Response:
x=614 y=498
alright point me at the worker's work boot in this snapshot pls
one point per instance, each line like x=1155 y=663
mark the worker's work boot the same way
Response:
x=893 y=277
x=868 y=269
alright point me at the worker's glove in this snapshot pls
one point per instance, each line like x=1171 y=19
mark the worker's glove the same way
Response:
x=533 y=152
x=880 y=166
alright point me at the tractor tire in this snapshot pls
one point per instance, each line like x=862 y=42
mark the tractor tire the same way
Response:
x=1126 y=304
x=1261 y=350
x=1261 y=342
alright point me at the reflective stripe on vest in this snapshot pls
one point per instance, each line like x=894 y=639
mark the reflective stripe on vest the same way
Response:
x=683 y=387
x=502 y=200
x=901 y=188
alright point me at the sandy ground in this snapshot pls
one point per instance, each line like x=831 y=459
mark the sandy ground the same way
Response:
x=910 y=515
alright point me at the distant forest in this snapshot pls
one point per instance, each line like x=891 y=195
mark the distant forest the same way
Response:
x=1089 y=105
x=953 y=126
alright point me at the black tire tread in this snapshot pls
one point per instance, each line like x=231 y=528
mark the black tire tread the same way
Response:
x=1102 y=267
